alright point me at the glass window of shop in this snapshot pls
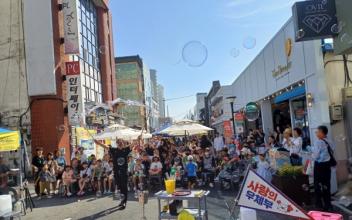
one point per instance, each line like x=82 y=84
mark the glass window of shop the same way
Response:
x=299 y=115
x=89 y=51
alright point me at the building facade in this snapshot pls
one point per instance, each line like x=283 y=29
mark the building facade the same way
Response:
x=41 y=104
x=161 y=101
x=213 y=90
x=130 y=86
x=298 y=85
x=199 y=109
x=220 y=108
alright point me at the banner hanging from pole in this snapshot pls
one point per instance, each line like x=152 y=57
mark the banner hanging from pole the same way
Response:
x=258 y=194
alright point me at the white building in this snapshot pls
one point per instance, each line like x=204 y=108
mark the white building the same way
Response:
x=199 y=107
x=220 y=108
x=295 y=84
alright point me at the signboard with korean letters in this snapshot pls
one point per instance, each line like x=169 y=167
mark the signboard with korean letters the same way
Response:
x=71 y=33
x=74 y=93
x=256 y=193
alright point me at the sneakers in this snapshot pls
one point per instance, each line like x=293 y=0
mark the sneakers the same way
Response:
x=211 y=185
x=98 y=194
x=135 y=194
x=69 y=194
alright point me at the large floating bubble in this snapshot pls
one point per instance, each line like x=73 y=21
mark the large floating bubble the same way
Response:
x=235 y=52
x=249 y=42
x=194 y=53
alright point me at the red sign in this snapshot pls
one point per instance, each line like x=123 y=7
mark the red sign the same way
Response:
x=228 y=133
x=239 y=117
x=72 y=68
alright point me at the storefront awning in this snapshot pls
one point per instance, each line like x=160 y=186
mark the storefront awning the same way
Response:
x=298 y=91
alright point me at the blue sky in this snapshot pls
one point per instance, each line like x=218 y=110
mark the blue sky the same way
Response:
x=157 y=30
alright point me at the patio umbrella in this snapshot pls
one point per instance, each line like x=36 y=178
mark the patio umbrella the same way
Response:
x=186 y=127
x=122 y=132
x=9 y=140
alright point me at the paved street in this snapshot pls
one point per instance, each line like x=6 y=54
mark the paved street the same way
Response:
x=91 y=207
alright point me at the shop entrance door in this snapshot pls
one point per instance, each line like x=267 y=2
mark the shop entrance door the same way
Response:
x=300 y=116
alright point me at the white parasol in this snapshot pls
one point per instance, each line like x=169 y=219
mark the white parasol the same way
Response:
x=186 y=127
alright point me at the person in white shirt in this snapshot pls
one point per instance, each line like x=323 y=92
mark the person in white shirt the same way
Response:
x=297 y=142
x=155 y=167
x=218 y=142
x=287 y=140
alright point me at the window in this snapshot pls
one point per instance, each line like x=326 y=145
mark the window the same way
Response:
x=89 y=50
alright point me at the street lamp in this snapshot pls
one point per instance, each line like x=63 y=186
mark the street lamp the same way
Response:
x=232 y=101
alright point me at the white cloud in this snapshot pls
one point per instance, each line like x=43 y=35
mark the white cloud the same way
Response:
x=269 y=6
x=236 y=3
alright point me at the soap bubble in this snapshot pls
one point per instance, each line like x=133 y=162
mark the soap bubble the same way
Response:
x=194 y=53
x=341 y=138
x=300 y=33
x=235 y=52
x=337 y=28
x=249 y=42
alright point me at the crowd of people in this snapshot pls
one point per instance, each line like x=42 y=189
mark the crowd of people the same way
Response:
x=195 y=161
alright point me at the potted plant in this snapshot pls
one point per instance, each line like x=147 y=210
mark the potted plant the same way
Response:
x=293 y=183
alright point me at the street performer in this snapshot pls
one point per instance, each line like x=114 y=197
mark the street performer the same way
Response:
x=120 y=163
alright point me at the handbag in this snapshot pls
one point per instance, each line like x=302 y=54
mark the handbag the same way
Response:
x=332 y=161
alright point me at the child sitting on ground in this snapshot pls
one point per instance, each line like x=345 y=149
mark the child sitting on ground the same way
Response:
x=97 y=176
x=85 y=176
x=68 y=180
x=44 y=181
x=108 y=177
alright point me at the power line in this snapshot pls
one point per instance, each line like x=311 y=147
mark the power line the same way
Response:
x=182 y=97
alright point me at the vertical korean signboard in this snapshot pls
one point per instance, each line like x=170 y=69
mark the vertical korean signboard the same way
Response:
x=71 y=33
x=74 y=93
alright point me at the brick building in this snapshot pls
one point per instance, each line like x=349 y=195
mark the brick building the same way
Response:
x=46 y=45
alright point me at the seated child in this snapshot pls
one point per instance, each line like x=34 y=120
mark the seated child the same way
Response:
x=108 y=177
x=44 y=180
x=97 y=176
x=85 y=177
x=155 y=167
x=68 y=179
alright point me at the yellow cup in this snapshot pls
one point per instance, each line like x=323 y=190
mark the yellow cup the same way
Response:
x=170 y=186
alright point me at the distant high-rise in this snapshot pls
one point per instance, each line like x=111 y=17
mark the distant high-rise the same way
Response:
x=130 y=85
x=161 y=101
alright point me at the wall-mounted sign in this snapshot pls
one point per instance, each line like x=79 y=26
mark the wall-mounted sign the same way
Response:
x=74 y=93
x=283 y=70
x=314 y=19
x=343 y=42
x=228 y=132
x=239 y=122
x=252 y=111
x=71 y=33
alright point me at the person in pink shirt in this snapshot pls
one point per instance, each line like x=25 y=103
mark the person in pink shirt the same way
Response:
x=67 y=179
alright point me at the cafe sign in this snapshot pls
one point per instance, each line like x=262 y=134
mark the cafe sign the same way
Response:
x=283 y=70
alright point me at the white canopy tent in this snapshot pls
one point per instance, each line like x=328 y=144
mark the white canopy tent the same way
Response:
x=186 y=127
x=121 y=132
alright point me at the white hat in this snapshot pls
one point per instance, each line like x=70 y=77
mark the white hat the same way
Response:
x=190 y=157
